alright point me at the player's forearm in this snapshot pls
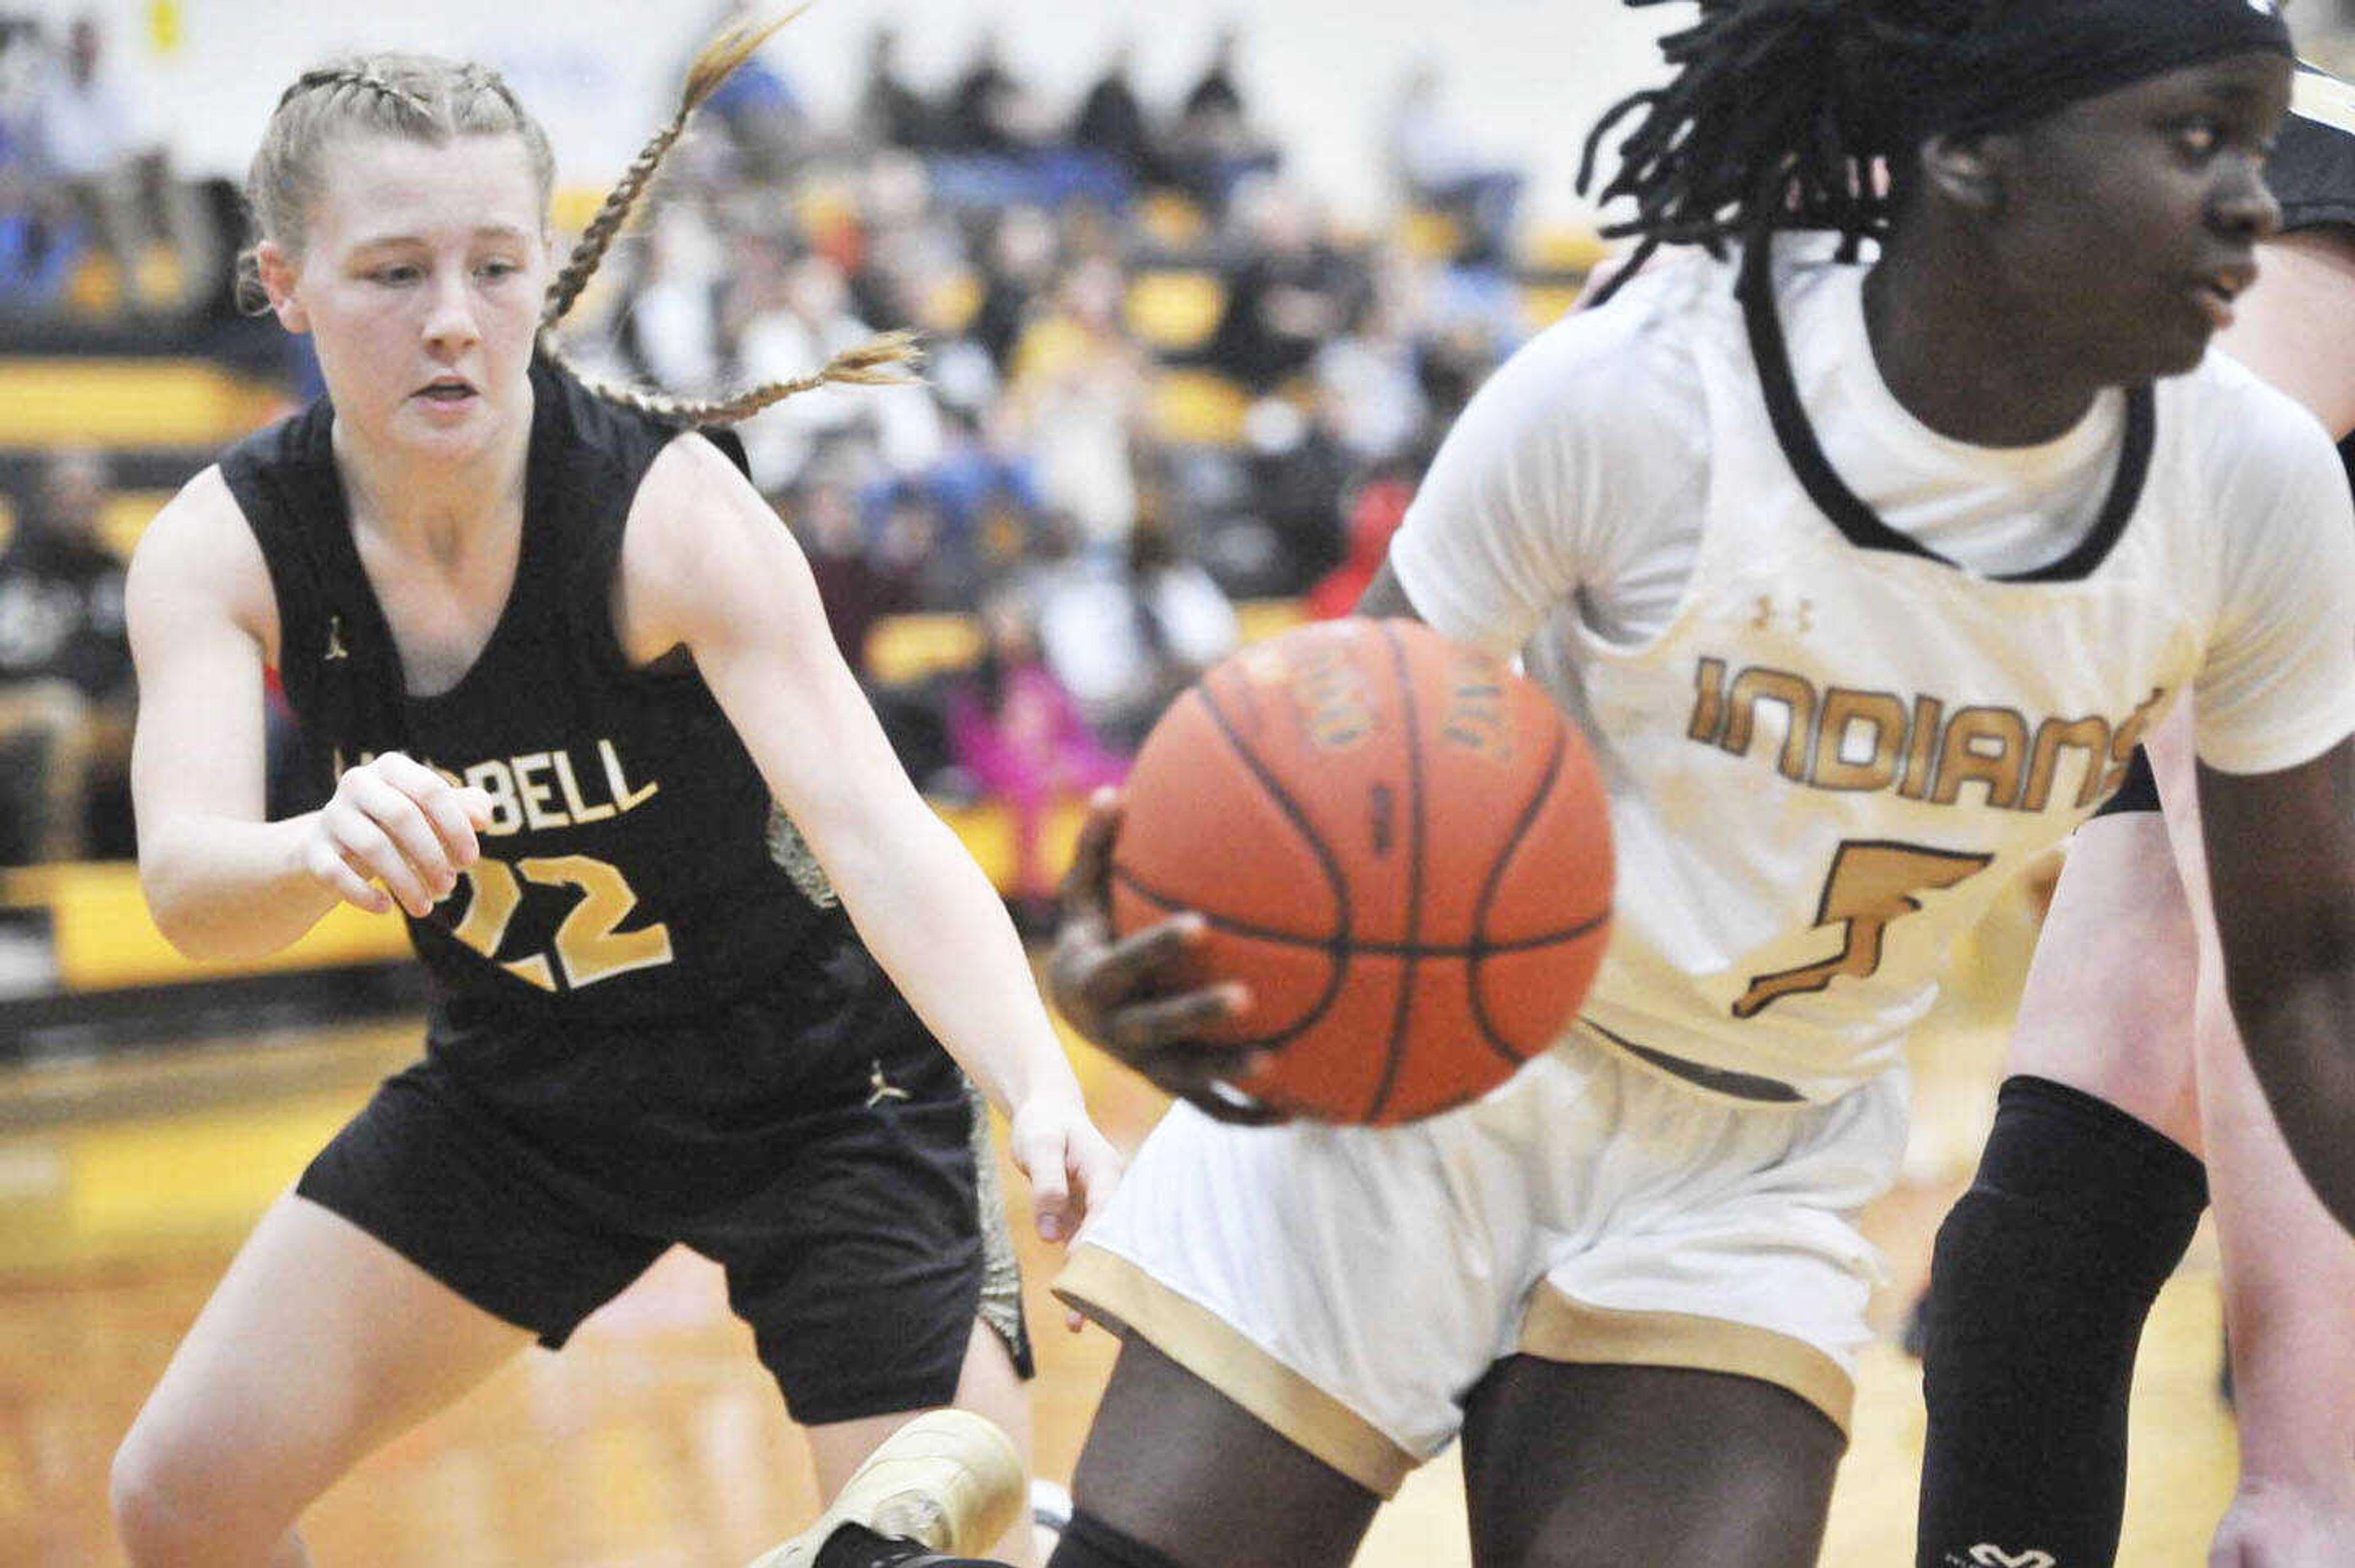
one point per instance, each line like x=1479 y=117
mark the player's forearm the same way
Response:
x=229 y=889
x=940 y=932
x=2301 y=1041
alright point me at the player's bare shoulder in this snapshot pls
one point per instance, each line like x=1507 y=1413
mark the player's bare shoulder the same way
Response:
x=198 y=557
x=698 y=535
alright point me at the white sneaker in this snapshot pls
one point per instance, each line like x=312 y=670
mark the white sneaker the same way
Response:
x=948 y=1479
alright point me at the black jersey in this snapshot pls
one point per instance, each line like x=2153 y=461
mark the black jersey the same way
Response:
x=2313 y=169
x=635 y=869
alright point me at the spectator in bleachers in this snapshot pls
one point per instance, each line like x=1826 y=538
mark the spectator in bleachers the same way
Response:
x=80 y=139
x=756 y=109
x=669 y=328
x=1017 y=265
x=1213 y=146
x=1079 y=386
x=824 y=519
x=1439 y=165
x=1111 y=123
x=1126 y=632
x=1293 y=291
x=890 y=113
x=987 y=109
x=1375 y=513
x=66 y=693
x=802 y=318
x=1019 y=736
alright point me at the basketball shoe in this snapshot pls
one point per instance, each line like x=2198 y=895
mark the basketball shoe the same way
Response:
x=948 y=1479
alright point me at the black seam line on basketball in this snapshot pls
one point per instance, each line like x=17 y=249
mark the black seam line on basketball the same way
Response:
x=1340 y=948
x=1495 y=1041
x=1411 y=725
x=1325 y=861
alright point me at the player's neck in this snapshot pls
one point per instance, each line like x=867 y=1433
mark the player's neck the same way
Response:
x=429 y=502
x=1965 y=360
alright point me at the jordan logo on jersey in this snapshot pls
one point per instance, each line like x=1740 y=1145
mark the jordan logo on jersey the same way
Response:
x=1927 y=748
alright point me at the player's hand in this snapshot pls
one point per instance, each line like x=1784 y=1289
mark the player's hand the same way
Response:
x=1128 y=996
x=1073 y=1168
x=394 y=831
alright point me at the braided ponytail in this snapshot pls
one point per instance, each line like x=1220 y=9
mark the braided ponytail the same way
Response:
x=884 y=360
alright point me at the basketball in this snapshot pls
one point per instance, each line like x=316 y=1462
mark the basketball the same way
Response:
x=1398 y=845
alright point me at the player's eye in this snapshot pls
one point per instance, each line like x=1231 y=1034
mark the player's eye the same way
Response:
x=2196 y=136
x=396 y=275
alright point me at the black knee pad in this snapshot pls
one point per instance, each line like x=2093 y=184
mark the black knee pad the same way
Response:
x=1089 y=1542
x=2042 y=1279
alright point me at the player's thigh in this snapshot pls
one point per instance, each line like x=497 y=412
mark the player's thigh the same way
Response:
x=1571 y=1466
x=2109 y=1004
x=319 y=1344
x=1174 y=1464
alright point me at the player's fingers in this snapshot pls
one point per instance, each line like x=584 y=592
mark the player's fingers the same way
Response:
x=1137 y=1030
x=368 y=848
x=1040 y=1153
x=350 y=883
x=398 y=816
x=1086 y=890
x=1106 y=977
x=1095 y=1170
x=442 y=801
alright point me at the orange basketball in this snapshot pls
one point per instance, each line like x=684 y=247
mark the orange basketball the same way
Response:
x=1398 y=845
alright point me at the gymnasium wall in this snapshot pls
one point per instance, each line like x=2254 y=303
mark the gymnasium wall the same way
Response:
x=1528 y=76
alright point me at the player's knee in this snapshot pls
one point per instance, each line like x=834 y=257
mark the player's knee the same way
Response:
x=172 y=1506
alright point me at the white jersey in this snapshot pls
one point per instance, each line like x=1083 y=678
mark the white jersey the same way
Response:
x=1837 y=714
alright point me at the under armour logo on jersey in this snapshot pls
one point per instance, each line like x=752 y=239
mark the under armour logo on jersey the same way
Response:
x=1987 y=1555
x=336 y=649
x=1799 y=615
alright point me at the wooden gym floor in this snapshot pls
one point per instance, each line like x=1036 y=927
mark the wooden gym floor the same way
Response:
x=657 y=1440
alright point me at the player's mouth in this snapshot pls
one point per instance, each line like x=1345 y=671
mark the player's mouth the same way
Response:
x=447 y=392
x=2215 y=291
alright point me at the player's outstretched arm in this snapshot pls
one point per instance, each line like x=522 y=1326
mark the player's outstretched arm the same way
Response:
x=706 y=565
x=2281 y=866
x=222 y=882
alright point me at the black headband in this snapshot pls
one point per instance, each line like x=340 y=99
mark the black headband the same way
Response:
x=2049 y=54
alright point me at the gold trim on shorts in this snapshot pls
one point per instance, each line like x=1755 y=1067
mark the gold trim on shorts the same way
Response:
x=1124 y=1298
x=1558 y=1327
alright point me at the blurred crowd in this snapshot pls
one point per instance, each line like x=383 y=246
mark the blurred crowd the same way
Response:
x=1161 y=378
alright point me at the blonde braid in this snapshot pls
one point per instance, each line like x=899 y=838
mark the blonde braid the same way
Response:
x=355 y=76
x=719 y=58
x=884 y=360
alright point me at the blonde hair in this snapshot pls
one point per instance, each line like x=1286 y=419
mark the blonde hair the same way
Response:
x=421 y=97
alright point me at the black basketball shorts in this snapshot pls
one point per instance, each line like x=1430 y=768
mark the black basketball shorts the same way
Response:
x=2138 y=792
x=870 y=1239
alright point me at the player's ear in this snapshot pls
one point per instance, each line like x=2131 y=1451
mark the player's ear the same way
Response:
x=277 y=271
x=1969 y=170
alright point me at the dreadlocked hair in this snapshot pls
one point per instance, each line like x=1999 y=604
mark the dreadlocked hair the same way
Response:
x=887 y=359
x=1782 y=114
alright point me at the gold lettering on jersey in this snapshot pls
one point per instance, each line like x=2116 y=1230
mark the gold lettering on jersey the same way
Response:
x=1791 y=693
x=1986 y=746
x=1334 y=702
x=625 y=799
x=494 y=780
x=1709 y=702
x=537 y=796
x=1854 y=741
x=2090 y=736
x=577 y=809
x=1922 y=749
x=1857 y=745
x=1475 y=719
